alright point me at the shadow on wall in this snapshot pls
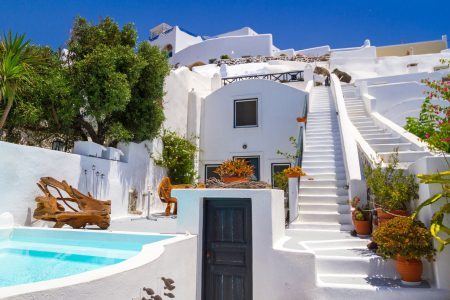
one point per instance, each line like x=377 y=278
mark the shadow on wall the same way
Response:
x=22 y=167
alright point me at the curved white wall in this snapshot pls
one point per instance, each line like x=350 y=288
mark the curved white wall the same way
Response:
x=234 y=46
x=279 y=105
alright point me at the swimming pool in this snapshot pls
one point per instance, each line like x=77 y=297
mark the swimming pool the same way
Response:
x=30 y=255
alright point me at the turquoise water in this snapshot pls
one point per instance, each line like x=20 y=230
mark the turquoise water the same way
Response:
x=23 y=266
x=31 y=255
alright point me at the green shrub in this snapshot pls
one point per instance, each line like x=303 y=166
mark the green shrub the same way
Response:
x=280 y=181
x=405 y=237
x=178 y=157
x=225 y=56
x=392 y=188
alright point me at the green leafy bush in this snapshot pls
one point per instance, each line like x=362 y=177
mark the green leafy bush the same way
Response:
x=178 y=157
x=280 y=181
x=225 y=56
x=392 y=188
x=405 y=237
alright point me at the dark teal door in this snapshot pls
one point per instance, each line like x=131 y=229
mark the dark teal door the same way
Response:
x=227 y=249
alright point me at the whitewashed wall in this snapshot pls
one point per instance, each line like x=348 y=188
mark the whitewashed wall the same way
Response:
x=234 y=46
x=177 y=86
x=278 y=107
x=22 y=166
x=177 y=38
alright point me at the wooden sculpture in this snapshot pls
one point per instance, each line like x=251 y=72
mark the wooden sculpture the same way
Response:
x=165 y=193
x=89 y=211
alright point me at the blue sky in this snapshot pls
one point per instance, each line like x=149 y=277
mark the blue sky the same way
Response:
x=294 y=24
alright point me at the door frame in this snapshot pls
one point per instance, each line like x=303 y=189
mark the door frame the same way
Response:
x=204 y=237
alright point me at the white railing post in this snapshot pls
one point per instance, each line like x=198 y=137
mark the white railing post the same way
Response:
x=293 y=199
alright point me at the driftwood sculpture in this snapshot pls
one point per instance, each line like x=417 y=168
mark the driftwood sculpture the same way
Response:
x=165 y=188
x=88 y=211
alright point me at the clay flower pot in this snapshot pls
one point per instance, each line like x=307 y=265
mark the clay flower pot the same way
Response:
x=362 y=227
x=384 y=216
x=301 y=119
x=410 y=270
x=293 y=175
x=234 y=179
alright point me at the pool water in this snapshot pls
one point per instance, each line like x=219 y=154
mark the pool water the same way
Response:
x=23 y=266
x=32 y=255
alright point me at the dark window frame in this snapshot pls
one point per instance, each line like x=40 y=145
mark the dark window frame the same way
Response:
x=206 y=169
x=272 y=170
x=252 y=156
x=257 y=112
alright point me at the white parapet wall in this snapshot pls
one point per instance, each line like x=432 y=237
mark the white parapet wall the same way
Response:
x=124 y=280
x=431 y=165
x=22 y=166
x=278 y=273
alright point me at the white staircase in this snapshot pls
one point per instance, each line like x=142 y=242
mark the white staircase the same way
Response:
x=383 y=141
x=322 y=196
x=344 y=265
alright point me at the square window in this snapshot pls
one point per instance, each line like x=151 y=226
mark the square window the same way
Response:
x=277 y=168
x=246 y=113
x=254 y=162
x=209 y=171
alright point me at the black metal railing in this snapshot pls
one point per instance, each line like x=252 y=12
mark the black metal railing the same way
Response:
x=293 y=76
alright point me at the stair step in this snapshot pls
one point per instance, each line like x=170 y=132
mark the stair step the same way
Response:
x=304 y=182
x=320 y=170
x=307 y=164
x=388 y=140
x=376 y=135
x=391 y=147
x=310 y=157
x=323 y=199
x=314 y=216
x=320 y=227
x=404 y=156
x=324 y=207
x=308 y=191
x=326 y=176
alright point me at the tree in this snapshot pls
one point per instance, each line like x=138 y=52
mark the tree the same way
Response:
x=16 y=64
x=103 y=88
x=121 y=89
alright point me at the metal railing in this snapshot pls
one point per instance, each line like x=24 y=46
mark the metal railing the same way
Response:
x=293 y=76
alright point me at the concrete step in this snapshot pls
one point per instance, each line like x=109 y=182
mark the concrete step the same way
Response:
x=307 y=164
x=404 y=156
x=391 y=147
x=314 y=216
x=323 y=199
x=377 y=135
x=320 y=227
x=371 y=131
x=314 y=148
x=321 y=170
x=308 y=191
x=387 y=140
x=324 y=207
x=310 y=157
x=325 y=176
x=305 y=182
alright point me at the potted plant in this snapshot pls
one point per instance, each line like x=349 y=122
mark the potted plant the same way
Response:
x=392 y=189
x=234 y=170
x=407 y=241
x=293 y=172
x=361 y=220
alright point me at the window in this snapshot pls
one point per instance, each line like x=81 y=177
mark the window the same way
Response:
x=278 y=167
x=246 y=113
x=209 y=171
x=252 y=161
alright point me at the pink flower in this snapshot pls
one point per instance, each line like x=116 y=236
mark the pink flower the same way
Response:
x=427 y=135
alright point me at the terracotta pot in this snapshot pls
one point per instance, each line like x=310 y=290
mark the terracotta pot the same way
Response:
x=293 y=175
x=362 y=227
x=301 y=119
x=234 y=179
x=384 y=216
x=410 y=270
